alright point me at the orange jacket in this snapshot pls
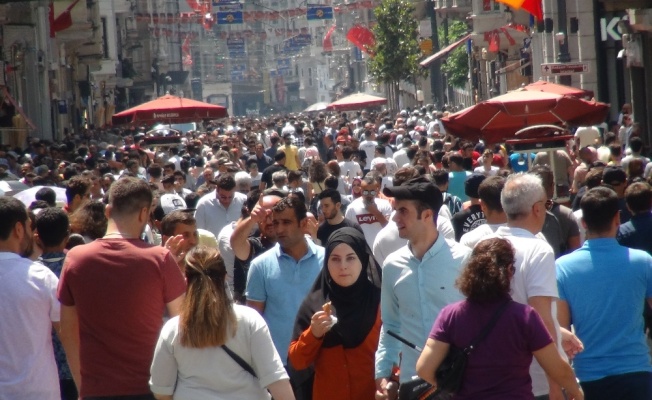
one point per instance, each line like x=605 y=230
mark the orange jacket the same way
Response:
x=343 y=374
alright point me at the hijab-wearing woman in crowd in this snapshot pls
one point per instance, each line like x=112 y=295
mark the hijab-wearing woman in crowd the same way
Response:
x=356 y=189
x=190 y=361
x=499 y=366
x=338 y=324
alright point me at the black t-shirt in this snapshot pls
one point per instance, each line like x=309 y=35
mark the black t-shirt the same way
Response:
x=268 y=172
x=241 y=267
x=325 y=230
x=467 y=220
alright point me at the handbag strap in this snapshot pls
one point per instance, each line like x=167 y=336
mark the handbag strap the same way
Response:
x=242 y=363
x=487 y=327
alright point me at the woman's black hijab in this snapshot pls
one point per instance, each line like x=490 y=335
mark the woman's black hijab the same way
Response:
x=356 y=306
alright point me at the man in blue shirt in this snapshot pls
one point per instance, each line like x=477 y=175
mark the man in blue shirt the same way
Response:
x=418 y=279
x=279 y=279
x=602 y=289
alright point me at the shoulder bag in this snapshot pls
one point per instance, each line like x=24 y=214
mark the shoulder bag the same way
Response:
x=242 y=363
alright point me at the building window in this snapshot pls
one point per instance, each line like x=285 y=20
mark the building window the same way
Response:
x=105 y=43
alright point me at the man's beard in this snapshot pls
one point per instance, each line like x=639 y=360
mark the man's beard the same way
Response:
x=27 y=246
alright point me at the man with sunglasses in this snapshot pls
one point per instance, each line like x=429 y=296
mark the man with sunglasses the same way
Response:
x=370 y=212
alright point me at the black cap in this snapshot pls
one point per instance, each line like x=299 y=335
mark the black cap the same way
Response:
x=614 y=176
x=472 y=183
x=168 y=179
x=420 y=189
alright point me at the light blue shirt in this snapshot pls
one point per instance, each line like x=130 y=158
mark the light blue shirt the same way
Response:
x=605 y=286
x=282 y=283
x=413 y=293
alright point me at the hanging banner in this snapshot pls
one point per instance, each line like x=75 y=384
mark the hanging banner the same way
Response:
x=318 y=12
x=229 y=17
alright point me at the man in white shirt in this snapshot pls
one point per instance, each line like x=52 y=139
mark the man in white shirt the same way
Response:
x=29 y=312
x=215 y=211
x=535 y=281
x=370 y=212
x=489 y=192
x=369 y=143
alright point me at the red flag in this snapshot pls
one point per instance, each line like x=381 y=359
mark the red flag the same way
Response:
x=194 y=5
x=362 y=38
x=327 y=44
x=63 y=21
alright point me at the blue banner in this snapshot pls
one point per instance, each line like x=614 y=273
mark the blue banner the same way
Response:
x=230 y=17
x=236 y=47
x=316 y=12
x=223 y=2
x=296 y=43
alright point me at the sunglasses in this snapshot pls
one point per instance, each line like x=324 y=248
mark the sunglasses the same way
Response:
x=369 y=192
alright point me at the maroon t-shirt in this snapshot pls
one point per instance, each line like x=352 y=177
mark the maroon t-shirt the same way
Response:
x=499 y=366
x=120 y=288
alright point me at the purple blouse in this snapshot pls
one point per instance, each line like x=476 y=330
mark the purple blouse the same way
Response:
x=499 y=366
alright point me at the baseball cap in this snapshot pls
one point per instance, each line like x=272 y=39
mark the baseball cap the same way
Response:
x=171 y=202
x=472 y=183
x=614 y=176
x=420 y=189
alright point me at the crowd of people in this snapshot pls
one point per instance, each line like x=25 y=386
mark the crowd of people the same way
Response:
x=271 y=257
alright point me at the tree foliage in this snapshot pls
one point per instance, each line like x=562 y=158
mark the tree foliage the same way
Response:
x=456 y=65
x=397 y=49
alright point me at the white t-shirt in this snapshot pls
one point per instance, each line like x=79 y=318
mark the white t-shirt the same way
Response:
x=369 y=147
x=224 y=246
x=400 y=157
x=210 y=373
x=535 y=275
x=493 y=170
x=470 y=239
x=351 y=167
x=587 y=135
x=357 y=212
x=28 y=294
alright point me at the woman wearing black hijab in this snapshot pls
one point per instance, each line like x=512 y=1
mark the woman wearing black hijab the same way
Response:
x=341 y=345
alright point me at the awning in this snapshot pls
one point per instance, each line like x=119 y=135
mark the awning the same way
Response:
x=444 y=52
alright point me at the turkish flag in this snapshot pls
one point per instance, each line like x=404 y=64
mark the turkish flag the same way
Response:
x=64 y=20
x=327 y=44
x=362 y=38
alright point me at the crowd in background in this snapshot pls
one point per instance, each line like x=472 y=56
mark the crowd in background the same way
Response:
x=284 y=249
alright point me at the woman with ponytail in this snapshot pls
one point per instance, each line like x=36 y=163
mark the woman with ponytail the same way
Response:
x=215 y=349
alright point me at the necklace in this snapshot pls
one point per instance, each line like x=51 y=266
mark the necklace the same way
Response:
x=119 y=235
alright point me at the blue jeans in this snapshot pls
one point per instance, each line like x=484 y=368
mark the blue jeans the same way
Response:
x=631 y=386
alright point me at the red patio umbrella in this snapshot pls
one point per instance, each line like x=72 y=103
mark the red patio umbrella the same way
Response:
x=169 y=109
x=357 y=101
x=549 y=87
x=498 y=119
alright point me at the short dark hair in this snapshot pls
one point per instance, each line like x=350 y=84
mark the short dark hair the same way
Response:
x=638 y=197
x=169 y=222
x=225 y=182
x=179 y=174
x=488 y=273
x=52 y=225
x=593 y=177
x=332 y=194
x=294 y=176
x=456 y=158
x=332 y=182
x=170 y=165
x=440 y=176
x=155 y=170
x=12 y=211
x=294 y=203
x=128 y=196
x=599 y=206
x=489 y=192
x=280 y=155
x=47 y=194
x=347 y=152
x=77 y=185
x=636 y=144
